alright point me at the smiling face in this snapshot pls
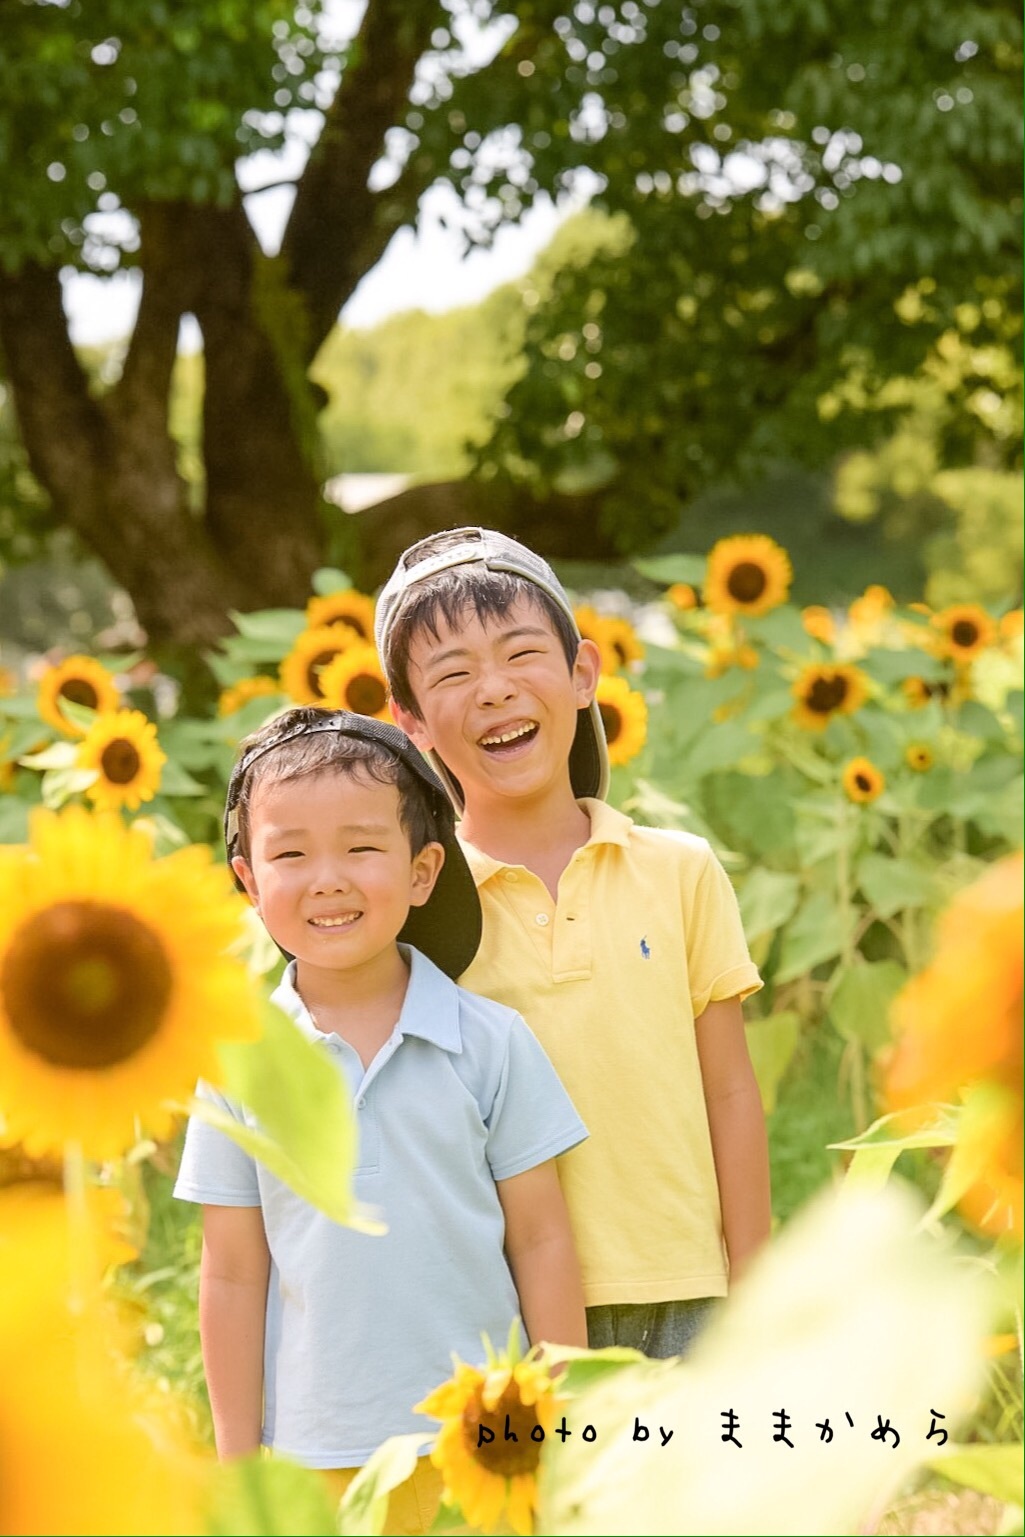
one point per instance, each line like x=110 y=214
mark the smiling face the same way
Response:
x=499 y=704
x=330 y=870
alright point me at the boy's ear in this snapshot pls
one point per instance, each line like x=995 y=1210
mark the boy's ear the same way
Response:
x=411 y=725
x=586 y=672
x=243 y=870
x=425 y=871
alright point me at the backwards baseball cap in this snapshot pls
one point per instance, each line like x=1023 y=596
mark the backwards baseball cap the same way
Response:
x=495 y=552
x=447 y=928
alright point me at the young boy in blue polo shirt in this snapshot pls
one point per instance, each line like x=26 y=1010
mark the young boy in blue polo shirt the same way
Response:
x=318 y=1339
x=621 y=945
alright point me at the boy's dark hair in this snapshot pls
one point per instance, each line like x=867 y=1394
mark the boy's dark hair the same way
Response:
x=323 y=752
x=450 y=595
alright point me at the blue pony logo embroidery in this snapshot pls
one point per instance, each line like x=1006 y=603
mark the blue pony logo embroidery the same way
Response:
x=646 y=953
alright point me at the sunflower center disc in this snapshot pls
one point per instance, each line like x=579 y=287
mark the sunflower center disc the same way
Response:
x=612 y=721
x=120 y=761
x=747 y=582
x=964 y=633
x=827 y=694
x=863 y=783
x=320 y=661
x=79 y=691
x=503 y=1456
x=366 y=695
x=85 y=985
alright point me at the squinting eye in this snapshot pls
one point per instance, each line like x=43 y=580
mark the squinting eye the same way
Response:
x=450 y=677
x=517 y=654
x=288 y=854
x=366 y=848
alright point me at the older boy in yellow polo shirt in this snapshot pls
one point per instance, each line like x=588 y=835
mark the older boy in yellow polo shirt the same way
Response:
x=621 y=945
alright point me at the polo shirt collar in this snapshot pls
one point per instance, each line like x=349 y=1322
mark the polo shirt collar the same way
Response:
x=430 y=1010
x=607 y=826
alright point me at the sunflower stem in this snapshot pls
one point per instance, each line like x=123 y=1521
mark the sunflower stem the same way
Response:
x=859 y=1106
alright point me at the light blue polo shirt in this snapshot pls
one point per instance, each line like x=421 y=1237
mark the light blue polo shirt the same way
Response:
x=360 y=1328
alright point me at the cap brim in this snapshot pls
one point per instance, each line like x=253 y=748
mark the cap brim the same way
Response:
x=448 y=926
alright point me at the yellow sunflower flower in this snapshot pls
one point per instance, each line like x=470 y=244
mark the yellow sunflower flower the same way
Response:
x=819 y=623
x=963 y=631
x=624 y=715
x=747 y=574
x=823 y=692
x=917 y=692
x=124 y=1467
x=492 y=1478
x=123 y=750
x=594 y=626
x=238 y=694
x=82 y=680
x=624 y=640
x=722 y=658
x=684 y=597
x=919 y=756
x=1012 y=624
x=115 y=982
x=355 y=681
x=862 y=781
x=976 y=975
x=312 y=652
x=345 y=607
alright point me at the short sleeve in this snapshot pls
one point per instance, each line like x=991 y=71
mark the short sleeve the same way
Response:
x=532 y=1117
x=718 y=961
x=214 y=1170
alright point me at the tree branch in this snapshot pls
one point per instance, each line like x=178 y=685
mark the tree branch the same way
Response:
x=334 y=234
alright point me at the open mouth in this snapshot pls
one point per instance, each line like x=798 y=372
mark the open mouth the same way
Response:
x=507 y=741
x=341 y=921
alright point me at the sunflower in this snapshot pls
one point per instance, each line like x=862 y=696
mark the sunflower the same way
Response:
x=238 y=694
x=823 y=692
x=722 y=658
x=819 y=623
x=1012 y=624
x=684 y=597
x=124 y=1464
x=594 y=626
x=355 y=681
x=489 y=1476
x=123 y=750
x=624 y=715
x=862 y=780
x=115 y=982
x=919 y=756
x=963 y=631
x=747 y=574
x=624 y=640
x=82 y=680
x=312 y=652
x=976 y=975
x=917 y=692
x=344 y=607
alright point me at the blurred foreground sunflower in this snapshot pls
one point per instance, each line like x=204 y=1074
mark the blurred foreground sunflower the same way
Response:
x=80 y=680
x=862 y=781
x=236 y=695
x=823 y=692
x=819 y=623
x=624 y=715
x=595 y=627
x=492 y=1477
x=963 y=630
x=1012 y=624
x=115 y=982
x=344 y=607
x=747 y=574
x=976 y=976
x=123 y=751
x=124 y=1467
x=355 y=681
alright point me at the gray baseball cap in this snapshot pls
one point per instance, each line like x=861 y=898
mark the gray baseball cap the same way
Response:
x=588 y=758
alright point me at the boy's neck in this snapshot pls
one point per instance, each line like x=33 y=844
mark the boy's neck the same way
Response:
x=361 y=1005
x=542 y=838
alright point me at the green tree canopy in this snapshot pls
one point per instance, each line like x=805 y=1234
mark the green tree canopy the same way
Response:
x=807 y=199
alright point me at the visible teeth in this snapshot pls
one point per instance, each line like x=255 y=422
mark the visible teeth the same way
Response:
x=508 y=736
x=334 y=923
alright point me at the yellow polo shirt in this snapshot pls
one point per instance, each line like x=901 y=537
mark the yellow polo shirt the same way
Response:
x=645 y=934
